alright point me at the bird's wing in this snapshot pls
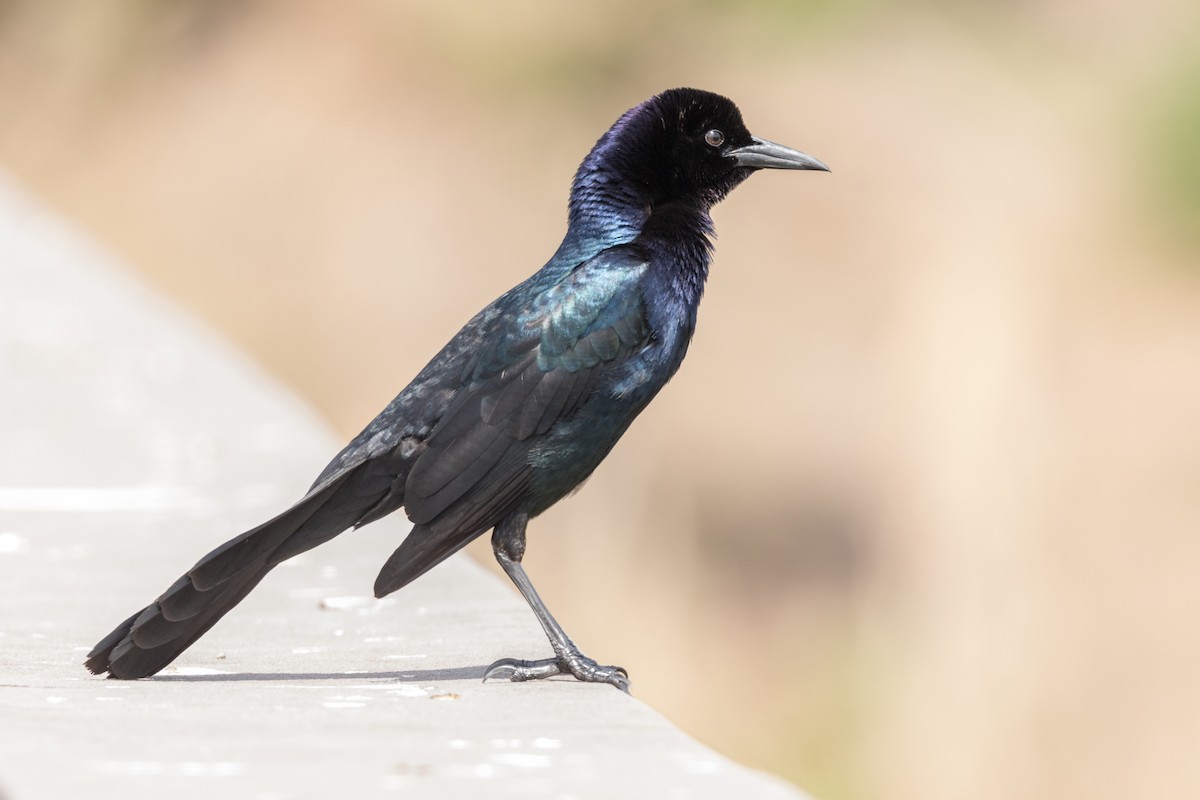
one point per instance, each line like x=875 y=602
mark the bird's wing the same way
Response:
x=539 y=368
x=534 y=373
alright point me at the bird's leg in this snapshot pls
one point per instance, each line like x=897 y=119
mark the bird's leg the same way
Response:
x=508 y=543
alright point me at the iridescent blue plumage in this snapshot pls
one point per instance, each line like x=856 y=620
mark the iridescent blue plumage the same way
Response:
x=526 y=400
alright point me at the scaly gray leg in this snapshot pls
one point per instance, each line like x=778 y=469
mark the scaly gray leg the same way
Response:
x=508 y=543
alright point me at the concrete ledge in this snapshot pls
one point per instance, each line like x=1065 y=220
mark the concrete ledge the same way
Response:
x=134 y=442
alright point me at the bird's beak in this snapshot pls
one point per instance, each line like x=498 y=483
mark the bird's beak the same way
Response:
x=761 y=154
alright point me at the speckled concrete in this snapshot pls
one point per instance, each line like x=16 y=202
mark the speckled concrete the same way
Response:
x=132 y=441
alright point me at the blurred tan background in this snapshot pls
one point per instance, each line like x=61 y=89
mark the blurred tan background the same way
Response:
x=920 y=517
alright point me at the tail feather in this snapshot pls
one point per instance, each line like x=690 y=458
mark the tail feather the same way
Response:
x=152 y=638
x=153 y=628
x=232 y=557
x=421 y=551
x=137 y=655
x=429 y=544
x=182 y=601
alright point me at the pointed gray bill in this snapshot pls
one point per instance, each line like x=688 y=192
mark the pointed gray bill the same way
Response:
x=761 y=154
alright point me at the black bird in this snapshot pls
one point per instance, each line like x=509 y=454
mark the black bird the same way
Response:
x=525 y=401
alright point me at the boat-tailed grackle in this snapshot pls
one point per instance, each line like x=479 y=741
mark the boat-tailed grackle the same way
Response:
x=525 y=401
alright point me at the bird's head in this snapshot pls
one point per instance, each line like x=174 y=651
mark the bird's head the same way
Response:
x=682 y=145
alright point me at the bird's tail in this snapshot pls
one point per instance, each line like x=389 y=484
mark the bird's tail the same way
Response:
x=153 y=637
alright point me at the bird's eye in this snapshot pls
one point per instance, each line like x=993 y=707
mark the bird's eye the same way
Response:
x=714 y=138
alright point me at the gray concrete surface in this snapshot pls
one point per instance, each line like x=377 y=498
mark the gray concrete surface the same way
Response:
x=131 y=442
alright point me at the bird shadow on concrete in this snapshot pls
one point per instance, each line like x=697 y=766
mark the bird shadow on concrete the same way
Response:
x=399 y=676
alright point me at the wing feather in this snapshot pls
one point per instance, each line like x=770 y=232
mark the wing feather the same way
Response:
x=473 y=468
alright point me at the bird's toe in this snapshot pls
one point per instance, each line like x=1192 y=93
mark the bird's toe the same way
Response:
x=517 y=670
x=585 y=669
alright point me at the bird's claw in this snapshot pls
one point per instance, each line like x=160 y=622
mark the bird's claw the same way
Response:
x=575 y=664
x=517 y=670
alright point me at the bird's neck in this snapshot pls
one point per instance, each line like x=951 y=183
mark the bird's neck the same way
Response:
x=607 y=211
x=678 y=237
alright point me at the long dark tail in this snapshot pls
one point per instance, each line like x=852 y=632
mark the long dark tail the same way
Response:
x=153 y=637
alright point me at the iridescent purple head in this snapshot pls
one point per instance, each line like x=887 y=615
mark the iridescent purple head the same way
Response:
x=682 y=146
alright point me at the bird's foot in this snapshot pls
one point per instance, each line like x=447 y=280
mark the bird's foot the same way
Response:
x=571 y=663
